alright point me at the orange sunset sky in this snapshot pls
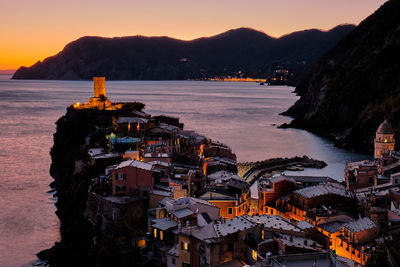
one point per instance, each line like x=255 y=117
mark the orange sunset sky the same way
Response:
x=32 y=30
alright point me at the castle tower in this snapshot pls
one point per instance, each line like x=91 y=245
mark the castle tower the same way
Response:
x=99 y=99
x=384 y=140
x=99 y=86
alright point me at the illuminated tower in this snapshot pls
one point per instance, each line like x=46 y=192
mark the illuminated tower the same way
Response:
x=99 y=86
x=99 y=99
x=384 y=140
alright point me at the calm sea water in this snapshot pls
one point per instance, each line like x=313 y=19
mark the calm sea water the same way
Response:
x=241 y=115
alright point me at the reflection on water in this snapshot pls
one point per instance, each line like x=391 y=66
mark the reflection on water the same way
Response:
x=241 y=115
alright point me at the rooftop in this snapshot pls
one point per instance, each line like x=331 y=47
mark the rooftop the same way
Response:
x=182 y=213
x=304 y=225
x=131 y=120
x=164 y=223
x=174 y=251
x=211 y=195
x=331 y=227
x=360 y=225
x=136 y=164
x=237 y=224
x=298 y=242
x=324 y=189
x=272 y=222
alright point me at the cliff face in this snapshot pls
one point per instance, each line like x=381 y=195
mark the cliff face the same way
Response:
x=82 y=244
x=163 y=58
x=356 y=84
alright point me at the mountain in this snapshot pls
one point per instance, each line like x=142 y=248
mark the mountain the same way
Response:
x=355 y=85
x=163 y=58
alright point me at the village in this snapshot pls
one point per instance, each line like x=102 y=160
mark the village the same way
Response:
x=176 y=198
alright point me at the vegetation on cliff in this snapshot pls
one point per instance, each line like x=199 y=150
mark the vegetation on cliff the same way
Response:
x=356 y=85
x=162 y=58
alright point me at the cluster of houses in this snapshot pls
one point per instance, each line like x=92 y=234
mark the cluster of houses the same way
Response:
x=180 y=197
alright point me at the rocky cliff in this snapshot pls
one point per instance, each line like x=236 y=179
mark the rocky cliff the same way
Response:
x=82 y=243
x=356 y=84
x=162 y=58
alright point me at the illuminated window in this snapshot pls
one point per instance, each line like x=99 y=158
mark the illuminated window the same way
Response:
x=141 y=243
x=385 y=140
x=185 y=246
x=161 y=235
x=254 y=254
x=262 y=235
x=155 y=233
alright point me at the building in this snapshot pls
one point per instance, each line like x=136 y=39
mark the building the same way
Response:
x=269 y=189
x=217 y=243
x=384 y=140
x=131 y=126
x=232 y=197
x=351 y=240
x=132 y=177
x=360 y=174
x=316 y=200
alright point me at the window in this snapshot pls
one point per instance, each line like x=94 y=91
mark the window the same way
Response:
x=120 y=188
x=201 y=248
x=161 y=235
x=239 y=208
x=185 y=246
x=230 y=247
x=121 y=176
x=262 y=234
x=173 y=261
x=155 y=233
x=371 y=180
x=254 y=254
x=230 y=211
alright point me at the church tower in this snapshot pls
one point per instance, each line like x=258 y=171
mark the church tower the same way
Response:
x=384 y=140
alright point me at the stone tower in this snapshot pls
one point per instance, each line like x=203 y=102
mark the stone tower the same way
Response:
x=384 y=140
x=99 y=86
x=99 y=99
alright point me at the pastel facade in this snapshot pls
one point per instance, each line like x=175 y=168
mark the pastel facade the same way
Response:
x=131 y=177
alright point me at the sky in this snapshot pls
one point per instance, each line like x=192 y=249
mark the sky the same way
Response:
x=31 y=30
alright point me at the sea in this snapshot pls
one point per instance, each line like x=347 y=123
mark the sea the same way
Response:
x=241 y=115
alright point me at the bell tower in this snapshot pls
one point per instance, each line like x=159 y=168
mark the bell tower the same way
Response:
x=384 y=140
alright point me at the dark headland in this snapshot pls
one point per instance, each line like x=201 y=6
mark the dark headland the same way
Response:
x=250 y=52
x=355 y=85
